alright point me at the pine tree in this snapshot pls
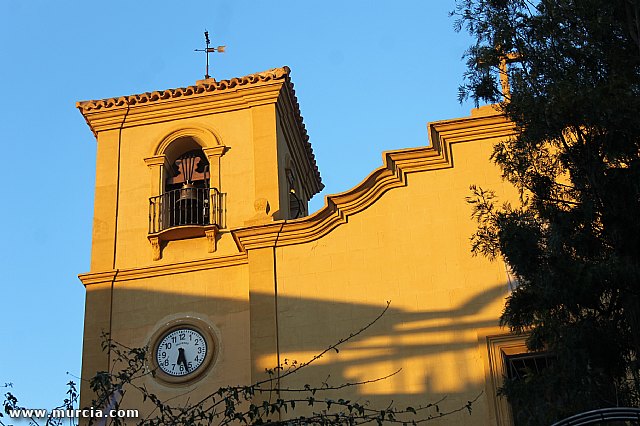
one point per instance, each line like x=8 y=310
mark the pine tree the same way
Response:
x=574 y=242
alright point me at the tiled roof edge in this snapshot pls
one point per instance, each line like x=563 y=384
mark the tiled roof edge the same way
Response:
x=204 y=87
x=158 y=95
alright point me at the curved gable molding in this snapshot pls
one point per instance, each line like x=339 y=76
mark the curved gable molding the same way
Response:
x=396 y=165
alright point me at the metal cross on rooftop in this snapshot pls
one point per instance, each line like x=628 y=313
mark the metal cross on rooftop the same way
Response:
x=504 y=75
x=207 y=50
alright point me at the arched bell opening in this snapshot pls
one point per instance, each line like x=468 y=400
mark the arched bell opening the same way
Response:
x=297 y=202
x=186 y=190
x=188 y=202
x=185 y=198
x=296 y=208
x=181 y=146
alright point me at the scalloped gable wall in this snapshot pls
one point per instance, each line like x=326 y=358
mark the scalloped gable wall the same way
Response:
x=287 y=289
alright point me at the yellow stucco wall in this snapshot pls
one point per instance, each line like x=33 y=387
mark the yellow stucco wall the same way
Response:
x=218 y=297
x=276 y=290
x=238 y=130
x=410 y=247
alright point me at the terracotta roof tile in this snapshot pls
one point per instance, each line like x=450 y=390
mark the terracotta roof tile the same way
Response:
x=149 y=97
x=204 y=87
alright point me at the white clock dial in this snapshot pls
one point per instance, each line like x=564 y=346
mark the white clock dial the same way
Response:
x=181 y=352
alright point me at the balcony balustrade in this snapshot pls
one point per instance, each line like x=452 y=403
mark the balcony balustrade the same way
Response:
x=185 y=207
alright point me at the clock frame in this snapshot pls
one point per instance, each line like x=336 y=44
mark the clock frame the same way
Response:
x=192 y=324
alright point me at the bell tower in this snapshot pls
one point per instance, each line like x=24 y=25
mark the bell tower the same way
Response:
x=176 y=172
x=214 y=156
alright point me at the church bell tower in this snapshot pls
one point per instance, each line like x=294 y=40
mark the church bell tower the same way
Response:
x=177 y=172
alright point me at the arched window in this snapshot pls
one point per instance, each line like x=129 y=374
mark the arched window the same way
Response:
x=185 y=197
x=297 y=207
x=186 y=201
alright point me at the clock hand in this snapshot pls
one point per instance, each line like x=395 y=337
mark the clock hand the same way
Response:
x=183 y=358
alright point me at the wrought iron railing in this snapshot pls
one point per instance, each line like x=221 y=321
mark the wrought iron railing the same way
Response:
x=604 y=416
x=186 y=206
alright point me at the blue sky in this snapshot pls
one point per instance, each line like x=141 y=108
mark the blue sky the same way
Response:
x=369 y=76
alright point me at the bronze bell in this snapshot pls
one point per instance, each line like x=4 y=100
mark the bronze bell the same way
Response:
x=188 y=192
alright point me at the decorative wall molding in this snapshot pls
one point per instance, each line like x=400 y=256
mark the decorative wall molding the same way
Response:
x=212 y=234
x=498 y=346
x=155 y=247
x=203 y=135
x=98 y=277
x=162 y=270
x=397 y=164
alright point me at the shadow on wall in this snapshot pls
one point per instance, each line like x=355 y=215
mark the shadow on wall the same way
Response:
x=436 y=351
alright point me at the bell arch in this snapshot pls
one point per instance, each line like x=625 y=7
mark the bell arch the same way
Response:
x=177 y=142
x=201 y=135
x=185 y=185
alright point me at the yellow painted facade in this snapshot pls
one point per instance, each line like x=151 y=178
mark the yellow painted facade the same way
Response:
x=270 y=287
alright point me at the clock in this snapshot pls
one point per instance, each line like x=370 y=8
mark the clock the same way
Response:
x=182 y=350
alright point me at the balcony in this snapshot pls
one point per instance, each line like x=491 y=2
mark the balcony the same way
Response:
x=186 y=212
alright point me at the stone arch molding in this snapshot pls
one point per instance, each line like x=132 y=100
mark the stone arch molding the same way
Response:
x=205 y=137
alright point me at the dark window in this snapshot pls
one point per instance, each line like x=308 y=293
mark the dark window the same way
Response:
x=520 y=365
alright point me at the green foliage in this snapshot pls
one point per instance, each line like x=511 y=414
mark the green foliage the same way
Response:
x=574 y=243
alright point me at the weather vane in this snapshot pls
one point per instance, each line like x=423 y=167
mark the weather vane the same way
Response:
x=208 y=50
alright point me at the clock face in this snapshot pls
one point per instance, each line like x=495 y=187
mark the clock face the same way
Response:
x=181 y=351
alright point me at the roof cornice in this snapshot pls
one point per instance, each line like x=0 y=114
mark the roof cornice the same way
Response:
x=182 y=92
x=203 y=98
